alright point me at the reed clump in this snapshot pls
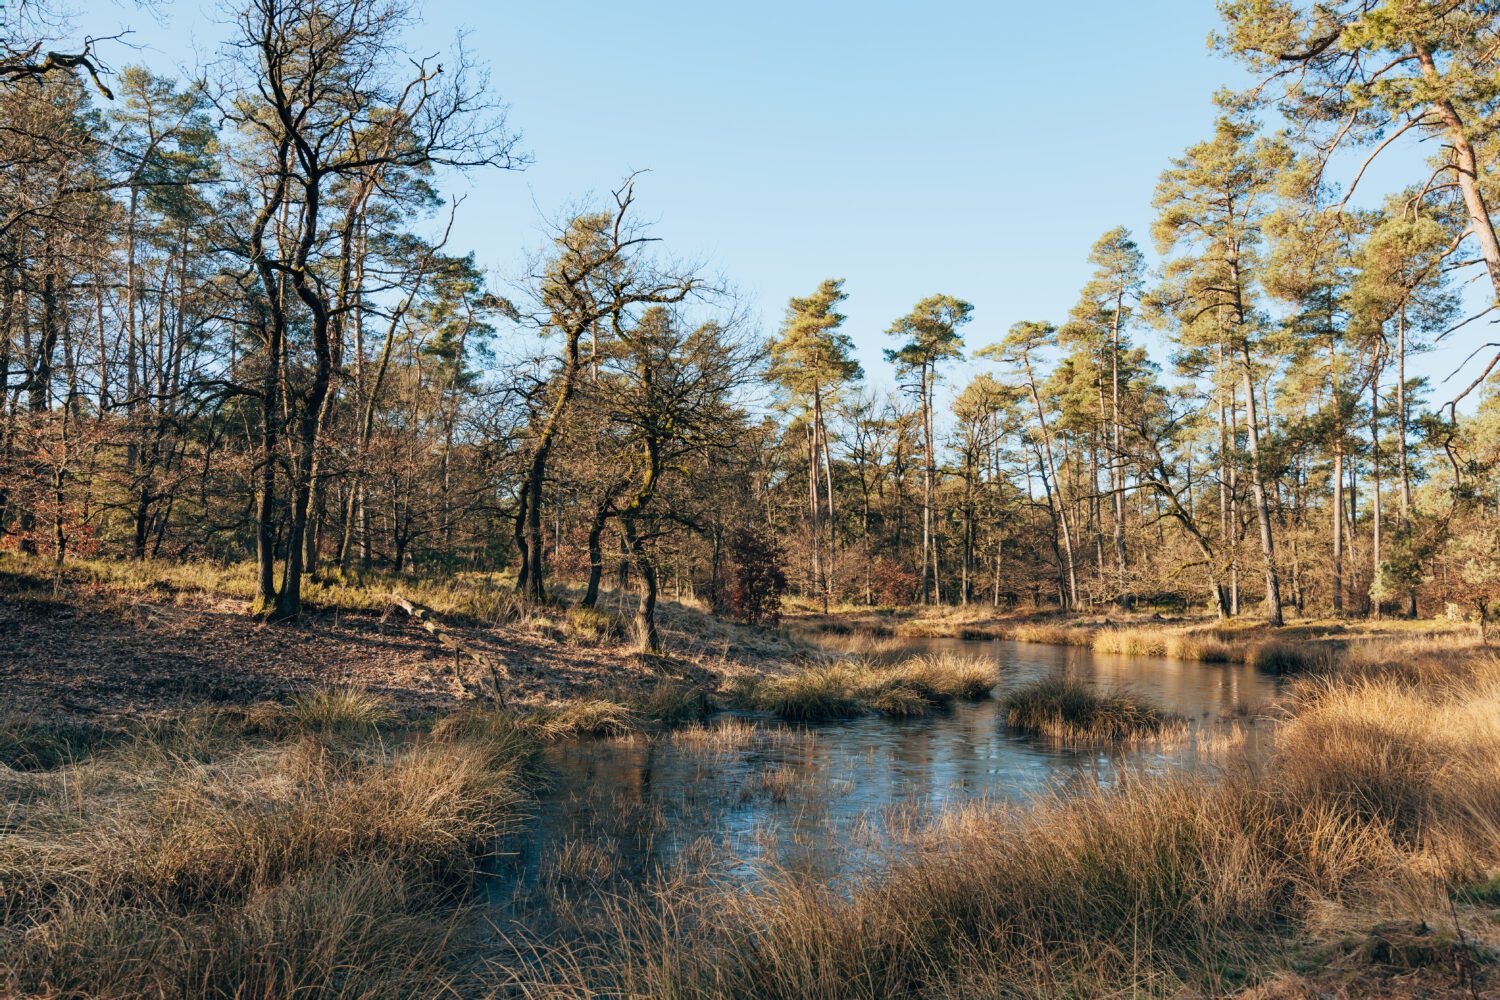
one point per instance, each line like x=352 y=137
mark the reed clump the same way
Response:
x=1070 y=711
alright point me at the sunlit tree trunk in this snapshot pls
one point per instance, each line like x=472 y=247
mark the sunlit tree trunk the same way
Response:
x=1261 y=498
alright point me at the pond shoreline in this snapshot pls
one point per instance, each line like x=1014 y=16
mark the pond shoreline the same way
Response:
x=898 y=852
x=1293 y=647
x=1255 y=881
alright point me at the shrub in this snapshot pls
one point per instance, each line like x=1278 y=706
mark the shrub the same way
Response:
x=757 y=581
x=892 y=584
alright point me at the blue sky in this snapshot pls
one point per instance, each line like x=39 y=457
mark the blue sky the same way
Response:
x=972 y=148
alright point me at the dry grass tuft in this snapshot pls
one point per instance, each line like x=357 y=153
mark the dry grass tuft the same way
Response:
x=815 y=694
x=1056 y=635
x=731 y=735
x=335 y=710
x=1072 y=712
x=900 y=701
x=779 y=784
x=590 y=626
x=1209 y=648
x=1424 y=762
x=590 y=717
x=847 y=688
x=580 y=863
x=1279 y=657
x=965 y=678
x=252 y=866
x=677 y=702
x=1434 y=662
x=862 y=643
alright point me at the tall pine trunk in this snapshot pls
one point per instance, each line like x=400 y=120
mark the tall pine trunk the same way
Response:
x=1260 y=496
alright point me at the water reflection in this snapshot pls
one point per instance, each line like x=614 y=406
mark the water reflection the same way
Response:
x=828 y=798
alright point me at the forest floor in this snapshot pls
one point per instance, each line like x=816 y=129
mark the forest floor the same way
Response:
x=108 y=643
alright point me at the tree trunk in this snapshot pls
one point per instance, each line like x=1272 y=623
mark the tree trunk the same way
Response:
x=645 y=611
x=1226 y=513
x=814 y=527
x=923 y=403
x=1466 y=163
x=821 y=430
x=528 y=528
x=596 y=557
x=1262 y=504
x=1117 y=459
x=1401 y=431
x=1375 y=510
x=1337 y=474
x=1053 y=494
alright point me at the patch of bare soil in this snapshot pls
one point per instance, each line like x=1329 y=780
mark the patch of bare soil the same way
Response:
x=85 y=653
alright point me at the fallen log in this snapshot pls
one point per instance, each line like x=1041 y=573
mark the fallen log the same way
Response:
x=495 y=670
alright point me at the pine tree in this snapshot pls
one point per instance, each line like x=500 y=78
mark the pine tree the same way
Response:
x=813 y=360
x=1212 y=202
x=931 y=334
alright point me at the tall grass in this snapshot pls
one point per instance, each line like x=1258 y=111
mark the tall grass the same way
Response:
x=27 y=744
x=323 y=863
x=1422 y=761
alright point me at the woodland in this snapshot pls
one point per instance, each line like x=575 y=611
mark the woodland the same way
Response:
x=235 y=330
x=252 y=392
